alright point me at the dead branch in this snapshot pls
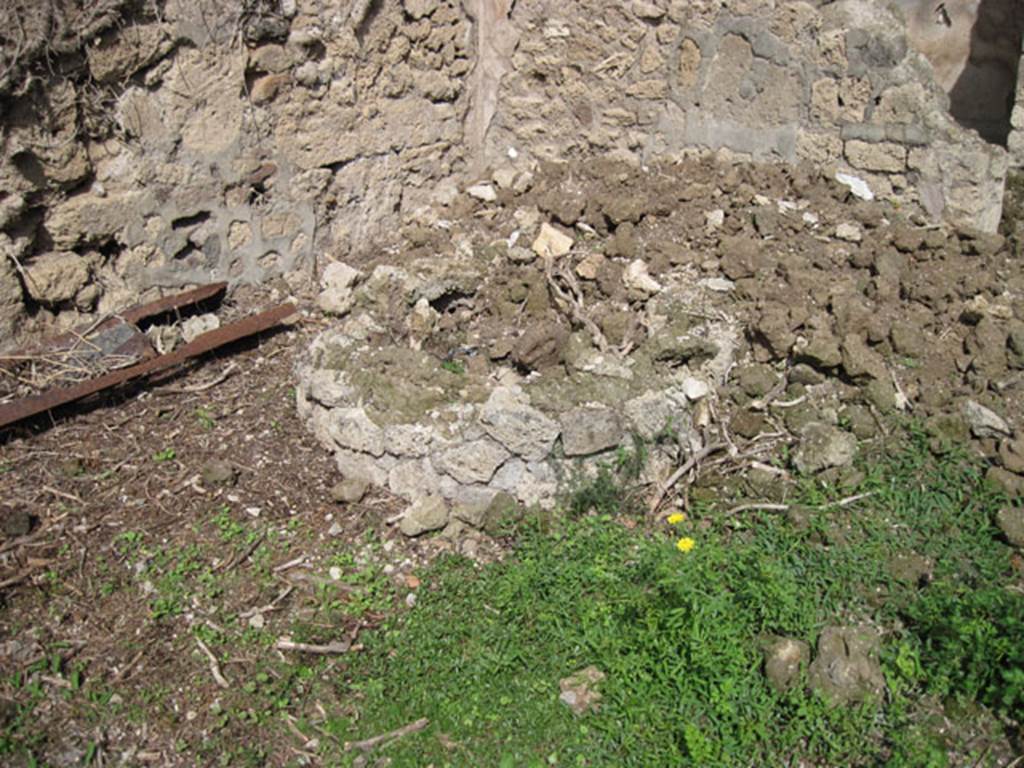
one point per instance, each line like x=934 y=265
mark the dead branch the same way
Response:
x=849 y=500
x=771 y=507
x=119 y=675
x=214 y=665
x=63 y=494
x=571 y=301
x=271 y=606
x=227 y=565
x=290 y=564
x=695 y=459
x=751 y=507
x=368 y=744
x=763 y=403
x=330 y=649
x=17 y=578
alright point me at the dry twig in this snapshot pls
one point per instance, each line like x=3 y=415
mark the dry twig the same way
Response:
x=329 y=649
x=214 y=665
x=368 y=744
x=772 y=507
x=63 y=494
x=17 y=578
x=227 y=565
x=751 y=507
x=271 y=606
x=571 y=301
x=693 y=461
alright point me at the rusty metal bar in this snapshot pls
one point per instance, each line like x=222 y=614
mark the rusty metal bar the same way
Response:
x=178 y=301
x=36 y=404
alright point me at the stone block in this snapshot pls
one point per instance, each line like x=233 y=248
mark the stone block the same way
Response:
x=884 y=156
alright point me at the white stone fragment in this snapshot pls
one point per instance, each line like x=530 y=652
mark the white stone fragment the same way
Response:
x=718 y=284
x=985 y=422
x=196 y=326
x=849 y=232
x=504 y=177
x=857 y=186
x=714 y=219
x=483 y=192
x=695 y=389
x=337 y=282
x=635 y=277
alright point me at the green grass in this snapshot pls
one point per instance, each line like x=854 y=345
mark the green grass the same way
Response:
x=677 y=635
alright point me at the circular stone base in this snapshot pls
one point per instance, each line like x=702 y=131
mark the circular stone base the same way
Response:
x=431 y=401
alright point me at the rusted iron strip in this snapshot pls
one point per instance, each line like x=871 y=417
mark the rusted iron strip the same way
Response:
x=36 y=404
x=178 y=301
x=131 y=315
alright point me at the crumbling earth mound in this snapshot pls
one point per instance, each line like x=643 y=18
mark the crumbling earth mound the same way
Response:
x=552 y=312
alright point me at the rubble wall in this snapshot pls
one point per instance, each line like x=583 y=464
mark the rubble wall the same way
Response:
x=201 y=140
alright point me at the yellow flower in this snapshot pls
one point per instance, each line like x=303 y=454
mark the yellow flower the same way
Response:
x=685 y=544
x=677 y=518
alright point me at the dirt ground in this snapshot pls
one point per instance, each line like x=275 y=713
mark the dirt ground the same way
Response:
x=117 y=549
x=159 y=544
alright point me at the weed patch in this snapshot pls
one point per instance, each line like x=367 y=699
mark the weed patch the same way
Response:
x=678 y=636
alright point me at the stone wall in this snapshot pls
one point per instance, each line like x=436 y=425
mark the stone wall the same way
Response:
x=836 y=85
x=1015 y=142
x=208 y=139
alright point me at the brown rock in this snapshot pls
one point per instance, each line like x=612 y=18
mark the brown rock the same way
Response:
x=56 y=277
x=1011 y=522
x=822 y=351
x=1011 y=455
x=1006 y=481
x=741 y=257
x=908 y=339
x=748 y=424
x=860 y=361
x=351 y=490
x=120 y=54
x=542 y=346
x=11 y=305
x=266 y=88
